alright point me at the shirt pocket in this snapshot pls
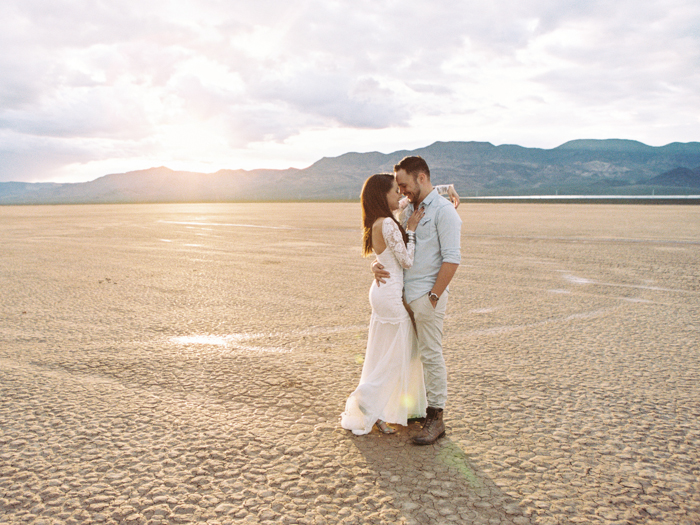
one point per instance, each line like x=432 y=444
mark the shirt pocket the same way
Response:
x=425 y=228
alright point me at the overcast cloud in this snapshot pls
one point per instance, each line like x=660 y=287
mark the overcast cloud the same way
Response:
x=93 y=87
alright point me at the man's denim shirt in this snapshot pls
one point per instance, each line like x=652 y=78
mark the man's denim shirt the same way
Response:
x=437 y=241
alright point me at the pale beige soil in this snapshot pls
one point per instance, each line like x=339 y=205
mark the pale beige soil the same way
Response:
x=188 y=363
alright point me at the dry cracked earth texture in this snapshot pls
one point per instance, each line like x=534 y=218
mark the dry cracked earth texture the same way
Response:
x=188 y=364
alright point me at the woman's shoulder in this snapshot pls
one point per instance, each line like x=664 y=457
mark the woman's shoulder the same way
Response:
x=379 y=223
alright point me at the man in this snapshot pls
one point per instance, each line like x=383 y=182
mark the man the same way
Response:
x=425 y=283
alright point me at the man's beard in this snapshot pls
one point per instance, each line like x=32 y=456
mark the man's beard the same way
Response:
x=416 y=197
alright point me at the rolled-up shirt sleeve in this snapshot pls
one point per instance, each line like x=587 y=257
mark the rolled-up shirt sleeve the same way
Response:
x=449 y=226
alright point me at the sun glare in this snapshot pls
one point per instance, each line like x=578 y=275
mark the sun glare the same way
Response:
x=201 y=340
x=259 y=43
x=213 y=74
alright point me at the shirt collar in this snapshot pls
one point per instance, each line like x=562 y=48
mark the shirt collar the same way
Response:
x=429 y=198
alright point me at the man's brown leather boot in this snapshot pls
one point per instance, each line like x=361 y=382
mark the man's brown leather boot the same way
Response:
x=433 y=428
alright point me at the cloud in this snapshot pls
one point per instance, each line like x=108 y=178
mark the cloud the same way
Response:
x=636 y=56
x=85 y=82
x=338 y=97
x=38 y=158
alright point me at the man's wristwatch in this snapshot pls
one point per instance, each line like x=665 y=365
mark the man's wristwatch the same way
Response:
x=433 y=295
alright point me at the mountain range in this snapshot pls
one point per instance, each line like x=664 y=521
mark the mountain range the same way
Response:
x=579 y=167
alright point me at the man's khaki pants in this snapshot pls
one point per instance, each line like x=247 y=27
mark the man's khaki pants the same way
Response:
x=428 y=322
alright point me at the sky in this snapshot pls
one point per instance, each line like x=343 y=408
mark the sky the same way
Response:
x=93 y=87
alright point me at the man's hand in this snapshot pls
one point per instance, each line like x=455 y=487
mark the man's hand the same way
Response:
x=433 y=301
x=379 y=272
x=454 y=197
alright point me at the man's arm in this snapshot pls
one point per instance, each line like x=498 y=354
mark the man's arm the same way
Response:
x=449 y=227
x=444 y=276
x=380 y=274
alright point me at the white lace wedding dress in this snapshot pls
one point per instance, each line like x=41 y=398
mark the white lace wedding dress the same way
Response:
x=391 y=386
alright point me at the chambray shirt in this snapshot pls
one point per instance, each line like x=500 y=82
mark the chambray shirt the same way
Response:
x=437 y=241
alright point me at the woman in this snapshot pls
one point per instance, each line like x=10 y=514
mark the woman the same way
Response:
x=391 y=387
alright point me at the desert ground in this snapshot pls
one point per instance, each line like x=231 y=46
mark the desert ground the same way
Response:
x=188 y=364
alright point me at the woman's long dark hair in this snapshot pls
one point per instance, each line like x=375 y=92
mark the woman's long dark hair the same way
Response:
x=374 y=206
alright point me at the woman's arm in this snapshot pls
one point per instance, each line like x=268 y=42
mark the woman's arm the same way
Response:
x=394 y=241
x=449 y=190
x=442 y=189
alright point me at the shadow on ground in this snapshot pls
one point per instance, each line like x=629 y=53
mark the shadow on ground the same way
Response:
x=436 y=483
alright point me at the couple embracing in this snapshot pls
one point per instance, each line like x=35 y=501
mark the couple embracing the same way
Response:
x=404 y=374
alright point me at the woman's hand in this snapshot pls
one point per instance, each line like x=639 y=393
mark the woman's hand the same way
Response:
x=453 y=195
x=414 y=219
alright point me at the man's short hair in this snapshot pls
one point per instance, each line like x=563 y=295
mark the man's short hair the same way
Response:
x=413 y=166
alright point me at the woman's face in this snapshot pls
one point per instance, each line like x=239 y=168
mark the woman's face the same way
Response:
x=393 y=196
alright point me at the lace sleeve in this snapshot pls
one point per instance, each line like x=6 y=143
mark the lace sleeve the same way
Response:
x=394 y=241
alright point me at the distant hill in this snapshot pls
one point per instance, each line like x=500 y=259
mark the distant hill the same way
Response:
x=579 y=167
x=678 y=178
